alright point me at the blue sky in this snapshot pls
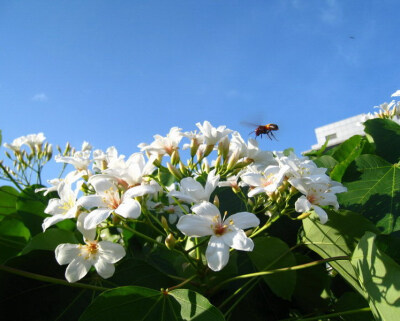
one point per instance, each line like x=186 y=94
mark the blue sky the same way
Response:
x=119 y=72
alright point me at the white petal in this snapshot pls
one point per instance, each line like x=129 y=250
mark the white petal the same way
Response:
x=255 y=191
x=195 y=225
x=323 y=217
x=244 y=220
x=238 y=240
x=129 y=208
x=102 y=183
x=252 y=179
x=91 y=201
x=88 y=234
x=182 y=196
x=302 y=205
x=96 y=217
x=54 y=207
x=111 y=252
x=66 y=253
x=140 y=190
x=206 y=209
x=217 y=253
x=104 y=269
x=49 y=221
x=77 y=269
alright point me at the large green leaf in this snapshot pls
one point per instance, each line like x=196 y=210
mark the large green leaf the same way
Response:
x=140 y=273
x=31 y=206
x=351 y=301
x=386 y=135
x=138 y=303
x=347 y=152
x=8 y=198
x=377 y=194
x=379 y=277
x=272 y=253
x=24 y=298
x=13 y=238
x=338 y=237
x=49 y=240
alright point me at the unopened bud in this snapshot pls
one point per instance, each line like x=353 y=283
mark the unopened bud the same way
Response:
x=273 y=196
x=157 y=162
x=183 y=169
x=292 y=190
x=208 y=150
x=233 y=159
x=205 y=166
x=164 y=223
x=303 y=216
x=175 y=157
x=216 y=201
x=194 y=146
x=223 y=147
x=217 y=163
x=170 y=241
x=174 y=171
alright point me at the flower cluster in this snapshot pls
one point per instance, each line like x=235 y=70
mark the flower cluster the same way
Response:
x=180 y=200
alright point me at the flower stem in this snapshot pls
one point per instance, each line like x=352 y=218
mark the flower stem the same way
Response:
x=49 y=279
x=327 y=316
x=286 y=269
x=183 y=283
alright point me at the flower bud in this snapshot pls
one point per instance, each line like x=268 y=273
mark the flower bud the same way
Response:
x=183 y=169
x=205 y=166
x=223 y=147
x=175 y=157
x=194 y=146
x=174 y=171
x=164 y=224
x=233 y=159
x=216 y=201
x=170 y=241
x=303 y=216
x=208 y=150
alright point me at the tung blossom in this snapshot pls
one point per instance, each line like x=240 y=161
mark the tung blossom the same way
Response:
x=225 y=233
x=191 y=191
x=211 y=134
x=316 y=195
x=81 y=257
x=108 y=199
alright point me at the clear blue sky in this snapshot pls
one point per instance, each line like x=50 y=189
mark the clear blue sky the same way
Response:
x=118 y=72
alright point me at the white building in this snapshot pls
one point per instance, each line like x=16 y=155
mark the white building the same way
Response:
x=339 y=131
x=342 y=130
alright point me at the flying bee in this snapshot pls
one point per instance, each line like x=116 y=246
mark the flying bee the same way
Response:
x=265 y=130
x=262 y=129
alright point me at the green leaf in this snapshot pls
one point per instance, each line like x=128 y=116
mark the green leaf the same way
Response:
x=311 y=284
x=13 y=238
x=338 y=237
x=31 y=206
x=8 y=198
x=346 y=153
x=24 y=298
x=386 y=135
x=140 y=273
x=49 y=240
x=272 y=253
x=379 y=277
x=351 y=301
x=376 y=194
x=326 y=161
x=138 y=303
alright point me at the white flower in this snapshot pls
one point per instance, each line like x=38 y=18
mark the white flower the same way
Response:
x=191 y=191
x=81 y=257
x=315 y=194
x=61 y=208
x=80 y=160
x=108 y=199
x=396 y=94
x=265 y=182
x=16 y=144
x=211 y=134
x=164 y=145
x=225 y=234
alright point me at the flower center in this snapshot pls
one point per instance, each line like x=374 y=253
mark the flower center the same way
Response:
x=89 y=250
